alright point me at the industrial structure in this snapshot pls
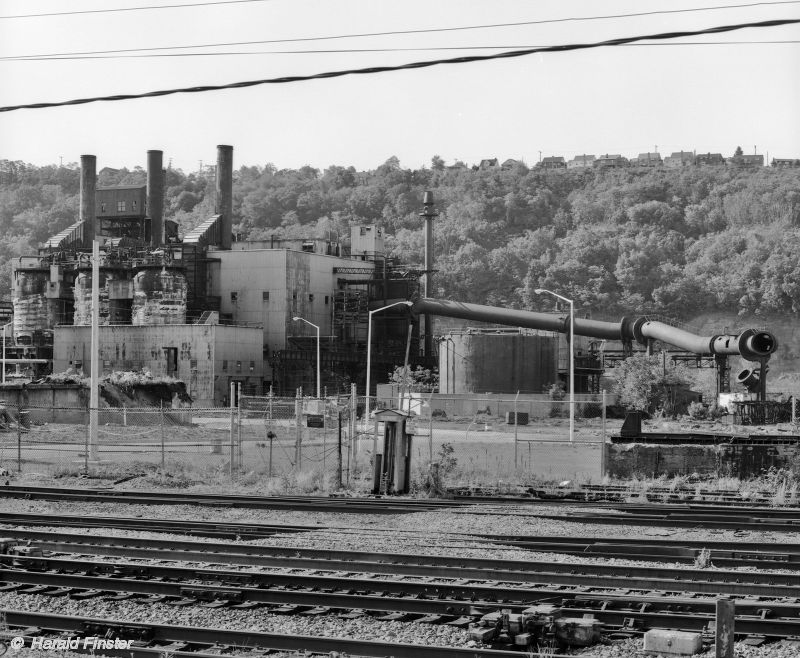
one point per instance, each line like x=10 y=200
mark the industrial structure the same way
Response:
x=203 y=307
x=210 y=310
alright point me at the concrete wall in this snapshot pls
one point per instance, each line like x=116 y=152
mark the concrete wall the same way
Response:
x=207 y=355
x=48 y=403
x=627 y=460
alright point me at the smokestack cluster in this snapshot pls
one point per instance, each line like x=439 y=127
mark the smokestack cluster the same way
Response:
x=224 y=205
x=155 y=197
x=88 y=189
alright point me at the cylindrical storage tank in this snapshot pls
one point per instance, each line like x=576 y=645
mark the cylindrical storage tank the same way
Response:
x=497 y=362
x=33 y=311
x=82 y=292
x=159 y=297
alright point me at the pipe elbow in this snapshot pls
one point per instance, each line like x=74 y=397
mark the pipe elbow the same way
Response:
x=755 y=345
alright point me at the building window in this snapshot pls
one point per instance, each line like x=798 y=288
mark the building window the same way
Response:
x=252 y=366
x=120 y=206
x=326 y=298
x=294 y=295
x=171 y=355
x=133 y=206
x=265 y=296
x=102 y=207
x=224 y=365
x=238 y=366
x=311 y=297
x=193 y=365
x=234 y=297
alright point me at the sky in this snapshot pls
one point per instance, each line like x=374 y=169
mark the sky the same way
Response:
x=708 y=94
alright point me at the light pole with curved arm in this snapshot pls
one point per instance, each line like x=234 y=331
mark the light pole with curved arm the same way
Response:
x=319 y=390
x=540 y=291
x=369 y=349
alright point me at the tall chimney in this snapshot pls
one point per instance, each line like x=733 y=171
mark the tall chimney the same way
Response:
x=428 y=215
x=88 y=189
x=225 y=193
x=155 y=197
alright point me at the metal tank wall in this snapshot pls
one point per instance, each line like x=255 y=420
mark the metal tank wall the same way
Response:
x=82 y=291
x=159 y=297
x=496 y=362
x=33 y=311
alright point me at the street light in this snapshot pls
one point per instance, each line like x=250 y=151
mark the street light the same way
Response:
x=369 y=349
x=540 y=291
x=319 y=390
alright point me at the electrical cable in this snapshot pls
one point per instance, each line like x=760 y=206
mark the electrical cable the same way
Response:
x=409 y=66
x=395 y=33
x=377 y=50
x=119 y=9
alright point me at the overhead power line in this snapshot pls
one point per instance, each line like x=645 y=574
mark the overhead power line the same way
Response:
x=397 y=32
x=409 y=66
x=119 y=9
x=347 y=51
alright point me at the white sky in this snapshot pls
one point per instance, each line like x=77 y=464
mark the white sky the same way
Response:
x=612 y=100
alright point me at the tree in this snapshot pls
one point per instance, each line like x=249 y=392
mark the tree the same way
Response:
x=648 y=383
x=738 y=153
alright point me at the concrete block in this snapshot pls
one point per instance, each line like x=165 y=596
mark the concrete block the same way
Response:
x=672 y=643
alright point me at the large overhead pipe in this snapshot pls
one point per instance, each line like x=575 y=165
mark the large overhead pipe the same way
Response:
x=155 y=197
x=87 y=197
x=225 y=194
x=751 y=344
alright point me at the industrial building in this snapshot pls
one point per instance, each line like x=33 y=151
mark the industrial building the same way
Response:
x=204 y=307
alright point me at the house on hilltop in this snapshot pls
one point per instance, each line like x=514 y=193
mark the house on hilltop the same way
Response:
x=709 y=159
x=679 y=159
x=554 y=162
x=610 y=161
x=581 y=162
x=647 y=160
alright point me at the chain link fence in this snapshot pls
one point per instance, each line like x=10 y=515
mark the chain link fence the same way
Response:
x=312 y=445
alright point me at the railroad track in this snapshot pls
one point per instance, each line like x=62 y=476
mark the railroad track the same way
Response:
x=288 y=503
x=423 y=566
x=721 y=554
x=156 y=640
x=614 y=602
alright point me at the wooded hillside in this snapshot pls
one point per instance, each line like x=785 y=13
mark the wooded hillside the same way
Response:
x=679 y=242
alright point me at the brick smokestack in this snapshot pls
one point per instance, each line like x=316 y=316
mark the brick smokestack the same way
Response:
x=88 y=190
x=155 y=197
x=225 y=193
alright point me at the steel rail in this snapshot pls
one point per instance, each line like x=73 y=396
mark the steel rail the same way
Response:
x=510 y=588
x=240 y=639
x=293 y=503
x=681 y=521
x=399 y=564
x=777 y=619
x=730 y=554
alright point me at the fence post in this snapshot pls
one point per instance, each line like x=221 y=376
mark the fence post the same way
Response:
x=324 y=441
x=239 y=460
x=298 y=416
x=353 y=452
x=339 y=455
x=19 y=438
x=232 y=441
x=516 y=425
x=603 y=435
x=162 y=437
x=430 y=427
x=724 y=627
